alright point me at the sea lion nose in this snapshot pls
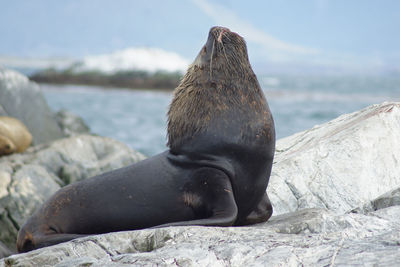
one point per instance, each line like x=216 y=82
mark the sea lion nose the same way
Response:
x=221 y=33
x=217 y=30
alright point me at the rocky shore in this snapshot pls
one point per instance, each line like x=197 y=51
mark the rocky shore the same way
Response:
x=125 y=79
x=335 y=190
x=64 y=151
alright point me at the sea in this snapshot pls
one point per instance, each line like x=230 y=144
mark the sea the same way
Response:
x=297 y=102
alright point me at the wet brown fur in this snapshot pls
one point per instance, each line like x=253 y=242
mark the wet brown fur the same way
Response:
x=209 y=89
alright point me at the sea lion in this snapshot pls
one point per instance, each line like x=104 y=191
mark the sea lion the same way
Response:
x=221 y=142
x=14 y=136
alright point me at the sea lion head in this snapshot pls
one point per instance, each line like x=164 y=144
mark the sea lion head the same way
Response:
x=218 y=83
x=224 y=50
x=6 y=146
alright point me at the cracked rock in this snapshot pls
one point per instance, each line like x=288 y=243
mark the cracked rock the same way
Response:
x=339 y=165
x=388 y=199
x=319 y=238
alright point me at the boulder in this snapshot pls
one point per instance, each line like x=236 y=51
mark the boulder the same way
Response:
x=23 y=99
x=388 y=199
x=70 y=123
x=339 y=165
x=4 y=251
x=28 y=179
x=311 y=237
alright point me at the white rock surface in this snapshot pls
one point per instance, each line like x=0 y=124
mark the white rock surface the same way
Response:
x=338 y=165
x=388 y=199
x=313 y=237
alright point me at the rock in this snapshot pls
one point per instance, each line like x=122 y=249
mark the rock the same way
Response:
x=70 y=123
x=335 y=187
x=4 y=251
x=313 y=237
x=24 y=100
x=2 y=111
x=339 y=165
x=27 y=180
x=388 y=199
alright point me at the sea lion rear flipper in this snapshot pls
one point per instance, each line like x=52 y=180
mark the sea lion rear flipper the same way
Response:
x=210 y=194
x=261 y=213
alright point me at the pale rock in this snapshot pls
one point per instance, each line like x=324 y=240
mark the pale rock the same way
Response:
x=31 y=185
x=338 y=165
x=388 y=199
x=70 y=123
x=78 y=157
x=5 y=179
x=23 y=99
x=314 y=237
x=4 y=251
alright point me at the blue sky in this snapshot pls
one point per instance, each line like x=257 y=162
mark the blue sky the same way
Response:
x=352 y=34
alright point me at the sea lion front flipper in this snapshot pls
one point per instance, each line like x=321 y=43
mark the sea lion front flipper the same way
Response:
x=27 y=241
x=211 y=197
x=261 y=213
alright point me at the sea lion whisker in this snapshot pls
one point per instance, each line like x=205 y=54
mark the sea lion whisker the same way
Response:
x=211 y=60
x=228 y=38
x=226 y=57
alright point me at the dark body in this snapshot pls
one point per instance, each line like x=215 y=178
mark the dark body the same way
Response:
x=222 y=140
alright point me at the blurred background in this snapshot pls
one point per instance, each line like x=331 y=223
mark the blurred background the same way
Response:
x=115 y=63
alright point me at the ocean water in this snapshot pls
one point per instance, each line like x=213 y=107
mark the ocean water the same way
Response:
x=138 y=117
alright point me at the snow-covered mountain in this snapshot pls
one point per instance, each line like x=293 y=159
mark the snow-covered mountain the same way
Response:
x=147 y=59
x=135 y=58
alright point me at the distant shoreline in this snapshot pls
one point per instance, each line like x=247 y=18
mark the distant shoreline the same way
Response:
x=160 y=80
